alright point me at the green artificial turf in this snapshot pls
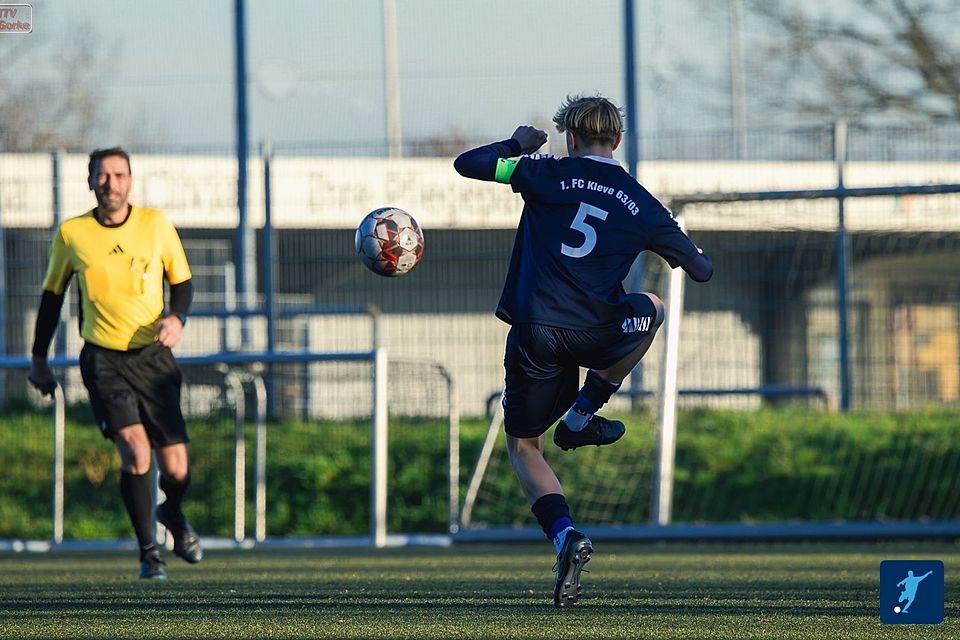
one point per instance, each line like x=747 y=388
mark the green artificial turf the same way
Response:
x=737 y=591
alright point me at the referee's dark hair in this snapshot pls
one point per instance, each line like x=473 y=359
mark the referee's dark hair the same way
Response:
x=99 y=154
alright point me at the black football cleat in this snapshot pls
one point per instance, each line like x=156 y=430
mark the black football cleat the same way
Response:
x=186 y=544
x=599 y=431
x=152 y=567
x=574 y=554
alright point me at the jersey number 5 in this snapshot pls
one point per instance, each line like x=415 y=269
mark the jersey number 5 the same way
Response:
x=589 y=233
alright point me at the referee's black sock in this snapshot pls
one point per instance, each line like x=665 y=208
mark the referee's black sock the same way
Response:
x=174 y=490
x=135 y=491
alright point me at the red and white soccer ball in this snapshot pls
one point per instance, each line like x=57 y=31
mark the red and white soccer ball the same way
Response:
x=389 y=241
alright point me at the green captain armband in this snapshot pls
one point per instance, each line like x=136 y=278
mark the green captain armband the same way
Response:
x=505 y=168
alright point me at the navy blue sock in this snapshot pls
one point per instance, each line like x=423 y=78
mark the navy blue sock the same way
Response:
x=584 y=405
x=596 y=391
x=593 y=395
x=552 y=513
x=559 y=525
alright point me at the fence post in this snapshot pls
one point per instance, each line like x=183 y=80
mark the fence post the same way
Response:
x=662 y=495
x=453 y=409
x=266 y=153
x=842 y=258
x=378 y=451
x=305 y=384
x=260 y=390
x=59 y=430
x=239 y=454
x=632 y=144
x=244 y=252
x=631 y=138
x=391 y=79
x=60 y=339
x=378 y=440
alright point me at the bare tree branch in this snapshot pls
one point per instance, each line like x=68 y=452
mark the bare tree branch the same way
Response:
x=877 y=58
x=58 y=106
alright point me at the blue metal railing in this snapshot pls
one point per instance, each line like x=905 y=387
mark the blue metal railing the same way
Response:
x=222 y=362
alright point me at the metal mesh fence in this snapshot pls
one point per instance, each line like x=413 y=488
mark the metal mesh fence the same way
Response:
x=442 y=310
x=317 y=472
x=765 y=333
x=779 y=277
x=764 y=336
x=765 y=327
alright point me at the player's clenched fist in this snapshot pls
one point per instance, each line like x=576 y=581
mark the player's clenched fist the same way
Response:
x=530 y=138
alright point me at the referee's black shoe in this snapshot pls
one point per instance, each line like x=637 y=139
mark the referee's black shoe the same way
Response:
x=599 y=431
x=574 y=554
x=186 y=544
x=152 y=567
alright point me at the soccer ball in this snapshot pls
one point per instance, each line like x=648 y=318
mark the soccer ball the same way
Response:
x=389 y=241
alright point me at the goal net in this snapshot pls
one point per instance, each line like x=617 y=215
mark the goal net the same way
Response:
x=817 y=376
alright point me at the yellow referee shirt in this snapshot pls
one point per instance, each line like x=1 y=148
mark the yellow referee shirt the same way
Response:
x=120 y=271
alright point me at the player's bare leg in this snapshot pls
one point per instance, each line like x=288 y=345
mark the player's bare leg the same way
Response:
x=536 y=477
x=174 y=461
x=134 y=449
x=543 y=490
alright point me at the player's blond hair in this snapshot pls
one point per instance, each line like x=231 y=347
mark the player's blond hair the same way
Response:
x=594 y=119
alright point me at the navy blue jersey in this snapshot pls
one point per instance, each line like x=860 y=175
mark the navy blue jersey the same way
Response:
x=584 y=222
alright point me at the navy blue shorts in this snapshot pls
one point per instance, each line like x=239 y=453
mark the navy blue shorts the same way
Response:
x=542 y=365
x=139 y=386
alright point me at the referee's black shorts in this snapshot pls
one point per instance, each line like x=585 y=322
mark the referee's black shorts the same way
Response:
x=134 y=387
x=542 y=365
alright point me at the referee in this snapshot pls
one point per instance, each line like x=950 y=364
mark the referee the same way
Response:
x=121 y=254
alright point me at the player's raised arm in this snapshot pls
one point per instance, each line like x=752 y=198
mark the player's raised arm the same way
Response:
x=489 y=161
x=700 y=268
x=674 y=246
x=692 y=260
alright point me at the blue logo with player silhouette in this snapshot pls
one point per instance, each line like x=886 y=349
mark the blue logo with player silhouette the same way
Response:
x=911 y=592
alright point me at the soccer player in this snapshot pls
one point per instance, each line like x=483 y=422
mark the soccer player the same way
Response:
x=909 y=585
x=584 y=221
x=121 y=254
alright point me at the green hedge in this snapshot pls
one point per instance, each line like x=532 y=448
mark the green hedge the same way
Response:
x=731 y=466
x=786 y=465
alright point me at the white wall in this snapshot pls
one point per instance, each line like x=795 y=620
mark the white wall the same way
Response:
x=200 y=191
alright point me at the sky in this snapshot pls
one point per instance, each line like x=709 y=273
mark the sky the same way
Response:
x=469 y=69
